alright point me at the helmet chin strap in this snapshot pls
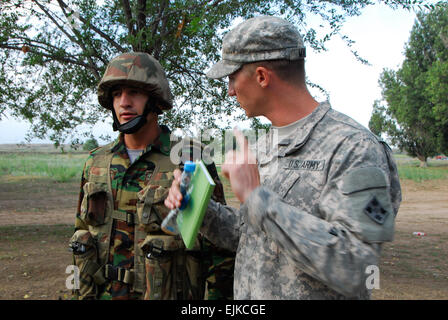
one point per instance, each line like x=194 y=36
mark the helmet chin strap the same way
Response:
x=133 y=125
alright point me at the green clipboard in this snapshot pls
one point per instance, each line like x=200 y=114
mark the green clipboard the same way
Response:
x=189 y=220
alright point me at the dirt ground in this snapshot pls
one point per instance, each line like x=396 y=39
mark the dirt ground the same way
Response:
x=416 y=267
x=36 y=219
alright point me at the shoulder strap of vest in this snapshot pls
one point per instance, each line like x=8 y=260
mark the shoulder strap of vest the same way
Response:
x=101 y=159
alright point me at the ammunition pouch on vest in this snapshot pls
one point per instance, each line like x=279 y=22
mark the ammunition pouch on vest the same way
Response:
x=85 y=257
x=172 y=272
x=163 y=268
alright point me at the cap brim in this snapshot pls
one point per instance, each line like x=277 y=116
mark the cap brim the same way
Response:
x=223 y=68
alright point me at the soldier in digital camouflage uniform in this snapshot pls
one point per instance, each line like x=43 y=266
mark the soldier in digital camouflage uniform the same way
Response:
x=321 y=193
x=118 y=245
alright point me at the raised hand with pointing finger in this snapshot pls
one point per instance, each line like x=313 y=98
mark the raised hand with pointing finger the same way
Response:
x=240 y=167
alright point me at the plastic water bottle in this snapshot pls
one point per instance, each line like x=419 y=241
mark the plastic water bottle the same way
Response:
x=418 y=233
x=169 y=224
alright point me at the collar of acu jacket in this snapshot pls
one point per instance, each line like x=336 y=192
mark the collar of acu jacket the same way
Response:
x=162 y=143
x=290 y=144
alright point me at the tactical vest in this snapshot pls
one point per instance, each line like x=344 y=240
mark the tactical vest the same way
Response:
x=163 y=267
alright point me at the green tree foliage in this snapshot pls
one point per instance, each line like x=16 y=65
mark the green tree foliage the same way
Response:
x=90 y=144
x=53 y=53
x=416 y=116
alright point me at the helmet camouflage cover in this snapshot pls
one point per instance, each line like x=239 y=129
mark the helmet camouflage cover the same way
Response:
x=136 y=69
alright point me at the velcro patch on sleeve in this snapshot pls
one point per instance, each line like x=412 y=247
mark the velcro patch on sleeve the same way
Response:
x=363 y=179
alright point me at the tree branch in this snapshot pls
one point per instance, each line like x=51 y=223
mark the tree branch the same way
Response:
x=128 y=15
x=47 y=13
x=27 y=41
x=98 y=31
x=163 y=33
x=141 y=21
x=81 y=44
x=155 y=26
x=51 y=56
x=90 y=66
x=192 y=8
x=163 y=17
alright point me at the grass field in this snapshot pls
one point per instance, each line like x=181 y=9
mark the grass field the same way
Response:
x=409 y=168
x=58 y=167
x=64 y=167
x=38 y=196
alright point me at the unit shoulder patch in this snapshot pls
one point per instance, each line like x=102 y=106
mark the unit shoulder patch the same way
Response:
x=375 y=211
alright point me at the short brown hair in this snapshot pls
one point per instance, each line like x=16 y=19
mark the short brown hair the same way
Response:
x=291 y=71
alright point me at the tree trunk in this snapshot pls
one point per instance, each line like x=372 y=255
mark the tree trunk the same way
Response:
x=423 y=162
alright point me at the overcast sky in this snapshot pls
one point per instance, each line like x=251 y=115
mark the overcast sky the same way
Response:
x=380 y=34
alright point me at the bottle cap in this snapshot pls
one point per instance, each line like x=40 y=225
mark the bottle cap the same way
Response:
x=189 y=166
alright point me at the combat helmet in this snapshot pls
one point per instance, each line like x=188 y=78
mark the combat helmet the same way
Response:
x=138 y=69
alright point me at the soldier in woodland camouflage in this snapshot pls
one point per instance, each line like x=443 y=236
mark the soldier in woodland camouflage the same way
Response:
x=319 y=192
x=118 y=244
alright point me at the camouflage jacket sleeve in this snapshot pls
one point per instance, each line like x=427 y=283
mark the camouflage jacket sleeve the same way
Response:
x=337 y=242
x=221 y=225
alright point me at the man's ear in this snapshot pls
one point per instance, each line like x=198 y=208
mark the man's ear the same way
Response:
x=263 y=76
